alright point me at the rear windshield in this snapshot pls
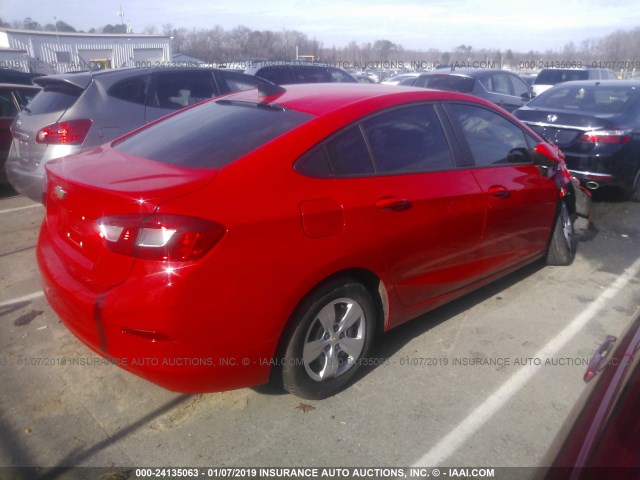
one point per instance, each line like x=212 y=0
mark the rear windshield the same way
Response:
x=55 y=97
x=592 y=98
x=451 y=83
x=551 y=77
x=213 y=134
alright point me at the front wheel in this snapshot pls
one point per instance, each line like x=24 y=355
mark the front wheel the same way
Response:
x=562 y=247
x=333 y=331
x=635 y=189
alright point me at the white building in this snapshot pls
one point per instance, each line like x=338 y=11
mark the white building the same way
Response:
x=51 y=52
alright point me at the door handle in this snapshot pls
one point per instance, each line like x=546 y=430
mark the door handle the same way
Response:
x=393 y=204
x=499 y=191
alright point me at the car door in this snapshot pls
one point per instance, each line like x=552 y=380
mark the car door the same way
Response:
x=426 y=214
x=521 y=201
x=173 y=90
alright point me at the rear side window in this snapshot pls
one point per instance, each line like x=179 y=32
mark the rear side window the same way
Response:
x=131 y=90
x=408 y=140
x=234 y=82
x=212 y=135
x=55 y=97
x=348 y=153
x=520 y=88
x=492 y=139
x=275 y=74
x=176 y=90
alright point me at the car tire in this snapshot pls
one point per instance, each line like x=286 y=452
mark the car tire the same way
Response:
x=562 y=246
x=333 y=329
x=635 y=189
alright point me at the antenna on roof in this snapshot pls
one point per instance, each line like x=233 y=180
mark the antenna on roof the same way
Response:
x=267 y=91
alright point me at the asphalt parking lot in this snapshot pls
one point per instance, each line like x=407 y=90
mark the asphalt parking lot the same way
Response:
x=485 y=381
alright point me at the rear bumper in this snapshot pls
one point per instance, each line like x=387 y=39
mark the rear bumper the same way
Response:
x=165 y=339
x=26 y=182
x=595 y=171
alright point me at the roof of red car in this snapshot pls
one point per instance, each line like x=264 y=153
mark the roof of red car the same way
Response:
x=319 y=99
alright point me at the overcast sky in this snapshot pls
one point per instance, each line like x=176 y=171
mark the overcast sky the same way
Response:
x=414 y=24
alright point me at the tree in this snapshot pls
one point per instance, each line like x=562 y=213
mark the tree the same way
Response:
x=64 y=27
x=29 y=24
x=114 y=28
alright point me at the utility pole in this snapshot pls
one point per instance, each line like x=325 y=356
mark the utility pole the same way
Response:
x=120 y=13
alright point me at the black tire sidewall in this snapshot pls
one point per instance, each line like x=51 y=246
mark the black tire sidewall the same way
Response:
x=295 y=378
x=559 y=253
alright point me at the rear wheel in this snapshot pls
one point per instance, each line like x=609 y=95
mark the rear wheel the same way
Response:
x=562 y=247
x=333 y=331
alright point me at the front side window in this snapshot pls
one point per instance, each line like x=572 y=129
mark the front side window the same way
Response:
x=492 y=139
x=520 y=88
x=496 y=83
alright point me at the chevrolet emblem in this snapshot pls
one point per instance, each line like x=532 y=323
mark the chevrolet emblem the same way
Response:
x=59 y=192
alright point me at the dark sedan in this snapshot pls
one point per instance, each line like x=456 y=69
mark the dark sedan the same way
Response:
x=599 y=440
x=597 y=126
x=503 y=88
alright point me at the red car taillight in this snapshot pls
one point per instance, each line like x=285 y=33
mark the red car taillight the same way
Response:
x=606 y=136
x=72 y=132
x=159 y=237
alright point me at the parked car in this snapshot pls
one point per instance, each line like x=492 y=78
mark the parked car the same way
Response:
x=503 y=88
x=599 y=439
x=363 y=78
x=362 y=207
x=287 y=73
x=8 y=75
x=597 y=126
x=75 y=111
x=12 y=99
x=548 y=77
x=399 y=78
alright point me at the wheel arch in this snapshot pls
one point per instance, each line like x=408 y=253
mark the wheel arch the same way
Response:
x=372 y=282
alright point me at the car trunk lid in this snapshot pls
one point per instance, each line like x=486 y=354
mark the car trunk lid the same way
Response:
x=83 y=189
x=561 y=127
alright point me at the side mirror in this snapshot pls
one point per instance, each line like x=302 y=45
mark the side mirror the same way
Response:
x=527 y=96
x=547 y=155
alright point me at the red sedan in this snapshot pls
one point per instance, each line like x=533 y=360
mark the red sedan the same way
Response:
x=270 y=235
